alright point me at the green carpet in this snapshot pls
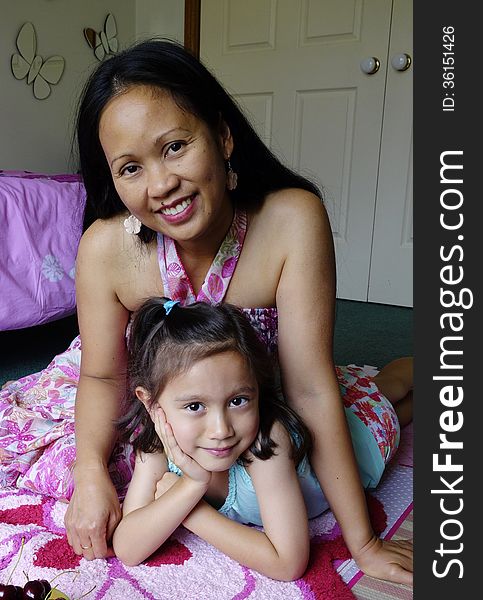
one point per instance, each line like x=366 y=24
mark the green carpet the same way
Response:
x=371 y=334
x=29 y=350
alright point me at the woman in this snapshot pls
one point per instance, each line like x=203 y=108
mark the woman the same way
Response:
x=186 y=202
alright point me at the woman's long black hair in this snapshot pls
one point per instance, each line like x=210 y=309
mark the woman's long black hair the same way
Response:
x=168 y=66
x=161 y=347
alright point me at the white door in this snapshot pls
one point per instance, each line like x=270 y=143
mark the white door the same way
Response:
x=295 y=66
x=391 y=280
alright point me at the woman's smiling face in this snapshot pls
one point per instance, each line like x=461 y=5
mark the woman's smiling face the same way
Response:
x=213 y=409
x=167 y=165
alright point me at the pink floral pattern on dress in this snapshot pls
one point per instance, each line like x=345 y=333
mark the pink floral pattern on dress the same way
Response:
x=361 y=395
x=215 y=287
x=176 y=283
x=228 y=267
x=37 y=442
x=265 y=323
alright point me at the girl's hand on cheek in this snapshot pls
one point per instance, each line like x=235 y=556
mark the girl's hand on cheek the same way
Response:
x=158 y=417
x=175 y=454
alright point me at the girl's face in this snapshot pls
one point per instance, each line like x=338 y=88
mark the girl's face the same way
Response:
x=213 y=410
x=166 y=164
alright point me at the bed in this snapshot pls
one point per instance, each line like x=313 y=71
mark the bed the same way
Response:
x=41 y=224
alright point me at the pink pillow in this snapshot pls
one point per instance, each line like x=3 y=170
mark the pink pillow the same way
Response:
x=40 y=228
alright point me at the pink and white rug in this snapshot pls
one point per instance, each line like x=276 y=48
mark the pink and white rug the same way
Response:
x=187 y=568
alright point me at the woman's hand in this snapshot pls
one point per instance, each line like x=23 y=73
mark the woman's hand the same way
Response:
x=188 y=465
x=388 y=560
x=93 y=514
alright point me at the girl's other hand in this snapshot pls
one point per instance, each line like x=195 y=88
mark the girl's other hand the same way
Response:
x=175 y=454
x=93 y=514
x=388 y=560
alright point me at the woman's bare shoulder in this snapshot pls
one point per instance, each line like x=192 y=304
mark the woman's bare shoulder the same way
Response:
x=108 y=254
x=289 y=218
x=293 y=207
x=107 y=241
x=103 y=236
x=292 y=198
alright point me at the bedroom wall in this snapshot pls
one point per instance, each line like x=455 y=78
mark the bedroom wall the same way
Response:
x=36 y=135
x=160 y=17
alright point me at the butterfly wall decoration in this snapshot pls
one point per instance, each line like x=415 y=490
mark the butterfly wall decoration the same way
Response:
x=104 y=42
x=42 y=74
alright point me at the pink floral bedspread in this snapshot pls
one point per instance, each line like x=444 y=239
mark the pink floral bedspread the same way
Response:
x=41 y=218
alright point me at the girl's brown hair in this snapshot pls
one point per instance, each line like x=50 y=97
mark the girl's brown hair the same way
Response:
x=162 y=346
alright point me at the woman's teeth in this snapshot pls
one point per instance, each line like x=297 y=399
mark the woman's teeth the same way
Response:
x=174 y=210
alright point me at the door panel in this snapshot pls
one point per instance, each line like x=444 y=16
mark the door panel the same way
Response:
x=391 y=278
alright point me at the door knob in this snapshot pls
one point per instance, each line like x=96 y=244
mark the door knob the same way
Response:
x=370 y=65
x=401 y=62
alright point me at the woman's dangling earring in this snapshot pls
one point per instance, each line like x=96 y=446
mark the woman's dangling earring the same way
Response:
x=132 y=225
x=231 y=177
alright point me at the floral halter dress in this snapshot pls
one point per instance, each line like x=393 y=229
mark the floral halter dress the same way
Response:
x=37 y=443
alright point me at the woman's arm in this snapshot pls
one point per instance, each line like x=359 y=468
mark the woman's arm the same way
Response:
x=94 y=508
x=148 y=522
x=306 y=322
x=281 y=551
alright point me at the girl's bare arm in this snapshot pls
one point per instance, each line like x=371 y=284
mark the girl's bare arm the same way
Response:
x=149 y=520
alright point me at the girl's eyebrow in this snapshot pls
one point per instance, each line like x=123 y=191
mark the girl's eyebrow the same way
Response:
x=237 y=391
x=187 y=399
x=245 y=389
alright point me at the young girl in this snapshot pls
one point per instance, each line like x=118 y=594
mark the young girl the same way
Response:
x=217 y=448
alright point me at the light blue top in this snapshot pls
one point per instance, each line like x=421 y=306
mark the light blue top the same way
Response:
x=241 y=503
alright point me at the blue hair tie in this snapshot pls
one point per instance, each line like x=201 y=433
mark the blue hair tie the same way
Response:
x=168 y=305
